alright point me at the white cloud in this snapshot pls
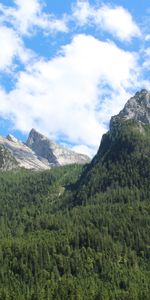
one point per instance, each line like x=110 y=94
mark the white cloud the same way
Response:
x=118 y=21
x=83 y=149
x=114 y=20
x=11 y=44
x=74 y=94
x=27 y=16
x=23 y=19
x=146 y=62
x=147 y=38
x=82 y=12
x=12 y=47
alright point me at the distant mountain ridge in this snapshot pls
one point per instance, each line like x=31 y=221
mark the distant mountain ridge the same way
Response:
x=38 y=153
x=51 y=153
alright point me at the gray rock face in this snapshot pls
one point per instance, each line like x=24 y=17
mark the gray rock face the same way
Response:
x=24 y=156
x=7 y=161
x=137 y=108
x=42 y=146
x=39 y=153
x=51 y=153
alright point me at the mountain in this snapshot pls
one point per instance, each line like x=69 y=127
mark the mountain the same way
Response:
x=137 y=108
x=81 y=232
x=122 y=162
x=24 y=156
x=52 y=153
x=38 y=153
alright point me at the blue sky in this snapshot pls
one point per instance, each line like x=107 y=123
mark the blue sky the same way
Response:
x=67 y=66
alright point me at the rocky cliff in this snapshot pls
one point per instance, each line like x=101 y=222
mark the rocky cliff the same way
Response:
x=137 y=108
x=7 y=161
x=52 y=153
x=24 y=156
x=38 y=153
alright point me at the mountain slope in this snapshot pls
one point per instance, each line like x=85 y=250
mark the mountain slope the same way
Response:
x=98 y=251
x=52 y=248
x=123 y=159
x=7 y=161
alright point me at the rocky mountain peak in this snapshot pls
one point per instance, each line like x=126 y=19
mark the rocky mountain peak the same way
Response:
x=42 y=146
x=51 y=153
x=38 y=153
x=136 y=108
x=34 y=136
x=11 y=138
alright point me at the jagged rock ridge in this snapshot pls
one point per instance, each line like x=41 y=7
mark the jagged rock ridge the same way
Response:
x=136 y=108
x=52 y=153
x=38 y=153
x=24 y=156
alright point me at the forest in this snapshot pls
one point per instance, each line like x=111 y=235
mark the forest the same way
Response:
x=79 y=232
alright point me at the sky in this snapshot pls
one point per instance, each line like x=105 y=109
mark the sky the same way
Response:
x=67 y=66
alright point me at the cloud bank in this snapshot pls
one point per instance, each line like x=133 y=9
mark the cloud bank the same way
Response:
x=64 y=97
x=71 y=96
x=113 y=19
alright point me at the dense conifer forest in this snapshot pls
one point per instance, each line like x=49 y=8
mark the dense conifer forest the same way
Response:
x=80 y=232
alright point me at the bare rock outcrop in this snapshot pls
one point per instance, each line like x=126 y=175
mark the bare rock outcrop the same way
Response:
x=38 y=153
x=52 y=153
x=137 y=108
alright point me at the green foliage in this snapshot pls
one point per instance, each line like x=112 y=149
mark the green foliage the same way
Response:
x=121 y=166
x=26 y=196
x=91 y=244
x=89 y=252
x=7 y=161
